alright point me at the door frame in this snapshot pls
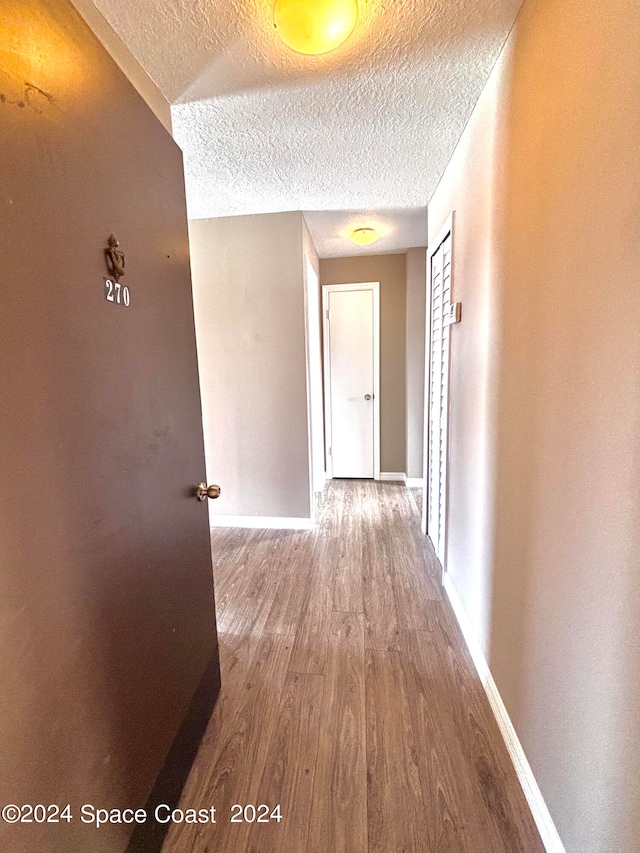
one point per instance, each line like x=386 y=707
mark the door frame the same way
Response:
x=443 y=232
x=374 y=286
x=315 y=392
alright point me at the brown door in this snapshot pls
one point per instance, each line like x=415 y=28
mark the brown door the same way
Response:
x=107 y=616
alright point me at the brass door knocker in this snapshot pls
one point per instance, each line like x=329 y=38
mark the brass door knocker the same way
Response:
x=114 y=257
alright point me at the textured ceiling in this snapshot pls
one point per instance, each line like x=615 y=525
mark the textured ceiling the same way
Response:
x=399 y=229
x=367 y=127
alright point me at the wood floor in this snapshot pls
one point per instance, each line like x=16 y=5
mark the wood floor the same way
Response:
x=348 y=697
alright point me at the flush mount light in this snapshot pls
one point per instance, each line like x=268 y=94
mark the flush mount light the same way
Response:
x=314 y=26
x=364 y=236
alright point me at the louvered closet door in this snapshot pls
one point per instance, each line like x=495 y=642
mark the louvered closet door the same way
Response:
x=439 y=395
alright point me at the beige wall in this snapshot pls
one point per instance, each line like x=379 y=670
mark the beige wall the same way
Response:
x=415 y=334
x=127 y=62
x=544 y=541
x=390 y=271
x=250 y=327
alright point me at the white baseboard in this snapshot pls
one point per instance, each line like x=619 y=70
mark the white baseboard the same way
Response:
x=539 y=810
x=401 y=477
x=414 y=482
x=261 y=522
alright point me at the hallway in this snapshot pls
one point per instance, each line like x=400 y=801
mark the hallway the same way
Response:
x=348 y=696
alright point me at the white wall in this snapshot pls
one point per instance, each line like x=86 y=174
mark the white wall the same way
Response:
x=416 y=323
x=249 y=304
x=544 y=526
x=314 y=362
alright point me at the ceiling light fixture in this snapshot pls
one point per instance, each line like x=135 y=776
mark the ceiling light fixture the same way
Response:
x=364 y=236
x=314 y=26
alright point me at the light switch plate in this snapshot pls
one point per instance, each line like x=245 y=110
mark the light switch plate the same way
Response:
x=454 y=314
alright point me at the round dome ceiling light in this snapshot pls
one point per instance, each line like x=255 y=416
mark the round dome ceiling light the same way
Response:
x=314 y=26
x=364 y=236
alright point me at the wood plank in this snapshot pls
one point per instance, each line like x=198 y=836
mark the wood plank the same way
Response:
x=370 y=506
x=396 y=816
x=334 y=501
x=454 y=808
x=379 y=600
x=294 y=565
x=429 y=560
x=396 y=505
x=288 y=775
x=339 y=814
x=230 y=551
x=239 y=640
x=418 y=496
x=483 y=746
x=351 y=497
x=231 y=760
x=349 y=568
x=413 y=585
x=263 y=569
x=310 y=648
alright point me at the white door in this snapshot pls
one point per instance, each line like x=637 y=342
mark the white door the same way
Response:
x=351 y=343
x=438 y=397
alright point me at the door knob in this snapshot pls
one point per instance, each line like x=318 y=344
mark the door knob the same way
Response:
x=367 y=396
x=203 y=491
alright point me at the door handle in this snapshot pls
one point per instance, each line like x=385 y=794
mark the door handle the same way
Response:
x=203 y=491
x=367 y=396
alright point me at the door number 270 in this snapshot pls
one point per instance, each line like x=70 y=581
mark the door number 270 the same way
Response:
x=115 y=292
